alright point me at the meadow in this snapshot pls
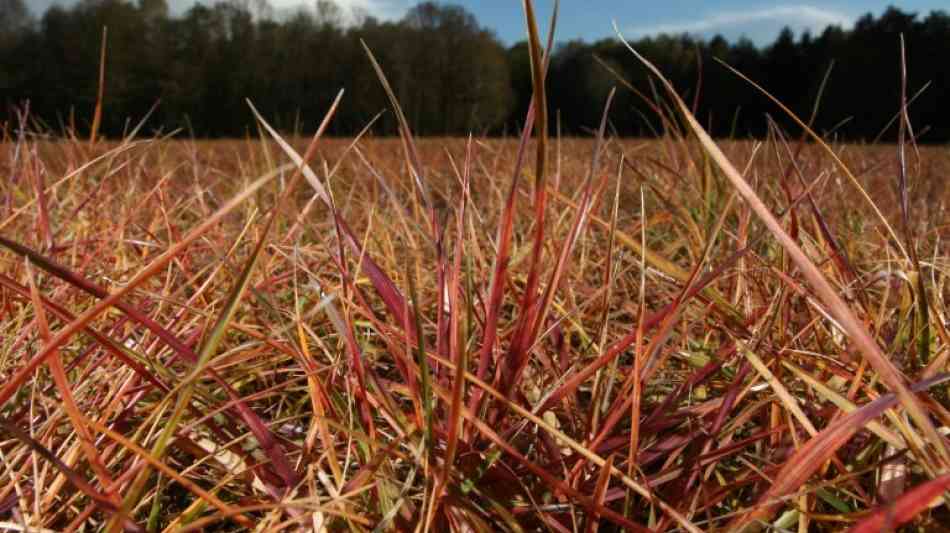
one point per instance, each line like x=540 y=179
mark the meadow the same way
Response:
x=482 y=334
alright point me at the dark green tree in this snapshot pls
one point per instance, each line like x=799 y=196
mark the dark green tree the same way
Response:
x=451 y=75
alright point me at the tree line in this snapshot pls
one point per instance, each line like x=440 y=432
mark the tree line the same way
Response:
x=451 y=74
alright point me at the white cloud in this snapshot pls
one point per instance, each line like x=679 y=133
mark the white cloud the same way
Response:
x=796 y=16
x=382 y=9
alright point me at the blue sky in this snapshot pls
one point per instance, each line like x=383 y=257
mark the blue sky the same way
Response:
x=758 y=20
x=592 y=19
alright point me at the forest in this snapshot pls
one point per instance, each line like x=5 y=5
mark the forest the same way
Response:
x=451 y=74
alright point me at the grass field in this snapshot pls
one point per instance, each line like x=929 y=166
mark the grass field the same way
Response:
x=666 y=335
x=314 y=386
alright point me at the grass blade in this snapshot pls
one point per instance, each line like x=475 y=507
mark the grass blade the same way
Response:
x=814 y=453
x=891 y=516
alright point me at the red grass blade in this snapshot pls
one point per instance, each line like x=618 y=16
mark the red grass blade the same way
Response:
x=517 y=358
x=507 y=373
x=902 y=511
x=818 y=450
x=500 y=269
x=458 y=349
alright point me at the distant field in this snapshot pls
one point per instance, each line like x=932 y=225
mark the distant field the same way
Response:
x=660 y=362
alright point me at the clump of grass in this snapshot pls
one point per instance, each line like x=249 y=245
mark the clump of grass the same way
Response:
x=437 y=335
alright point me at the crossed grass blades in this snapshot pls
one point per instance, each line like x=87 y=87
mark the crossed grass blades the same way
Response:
x=679 y=334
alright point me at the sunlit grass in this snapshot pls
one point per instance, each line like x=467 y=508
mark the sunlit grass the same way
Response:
x=672 y=334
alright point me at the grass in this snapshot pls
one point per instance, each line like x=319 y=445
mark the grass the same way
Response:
x=436 y=334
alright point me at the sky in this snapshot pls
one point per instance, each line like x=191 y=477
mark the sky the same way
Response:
x=591 y=20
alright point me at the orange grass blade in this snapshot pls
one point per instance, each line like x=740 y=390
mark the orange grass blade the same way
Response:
x=58 y=371
x=600 y=490
x=100 y=95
